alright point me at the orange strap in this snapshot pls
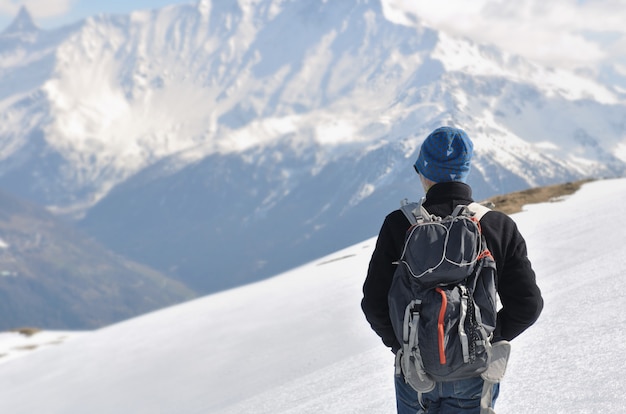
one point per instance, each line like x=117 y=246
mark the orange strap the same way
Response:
x=441 y=325
x=485 y=253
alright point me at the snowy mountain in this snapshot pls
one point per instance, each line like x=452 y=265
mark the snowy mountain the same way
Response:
x=22 y=25
x=298 y=343
x=224 y=141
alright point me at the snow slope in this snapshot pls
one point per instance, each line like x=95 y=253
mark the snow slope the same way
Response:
x=297 y=343
x=15 y=344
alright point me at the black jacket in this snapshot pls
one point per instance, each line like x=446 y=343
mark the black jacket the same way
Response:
x=519 y=294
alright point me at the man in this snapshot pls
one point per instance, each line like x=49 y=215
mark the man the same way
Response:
x=443 y=165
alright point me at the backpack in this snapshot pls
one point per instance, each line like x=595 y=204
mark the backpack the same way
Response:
x=442 y=300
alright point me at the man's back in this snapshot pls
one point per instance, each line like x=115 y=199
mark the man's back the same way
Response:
x=515 y=276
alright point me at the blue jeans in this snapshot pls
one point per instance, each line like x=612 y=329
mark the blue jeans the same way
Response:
x=461 y=396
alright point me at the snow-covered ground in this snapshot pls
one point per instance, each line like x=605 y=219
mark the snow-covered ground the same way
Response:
x=298 y=343
x=16 y=344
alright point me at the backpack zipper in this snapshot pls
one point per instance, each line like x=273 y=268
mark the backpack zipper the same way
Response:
x=441 y=335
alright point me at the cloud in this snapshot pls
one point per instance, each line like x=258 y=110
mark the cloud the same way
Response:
x=39 y=9
x=560 y=33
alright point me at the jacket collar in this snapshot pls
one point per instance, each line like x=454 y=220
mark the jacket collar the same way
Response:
x=453 y=190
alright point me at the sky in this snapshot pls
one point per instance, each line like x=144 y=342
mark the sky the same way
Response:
x=573 y=34
x=298 y=343
x=50 y=14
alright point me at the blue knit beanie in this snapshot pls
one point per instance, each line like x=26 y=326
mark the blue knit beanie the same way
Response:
x=445 y=155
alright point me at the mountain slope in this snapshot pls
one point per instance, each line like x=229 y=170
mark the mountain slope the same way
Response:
x=251 y=193
x=116 y=94
x=298 y=343
x=54 y=277
x=225 y=141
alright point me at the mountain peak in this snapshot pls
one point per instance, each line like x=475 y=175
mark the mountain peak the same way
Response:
x=23 y=23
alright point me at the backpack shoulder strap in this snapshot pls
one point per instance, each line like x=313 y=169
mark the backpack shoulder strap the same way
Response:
x=478 y=209
x=408 y=208
x=414 y=212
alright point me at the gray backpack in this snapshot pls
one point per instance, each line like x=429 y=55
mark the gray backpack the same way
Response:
x=442 y=301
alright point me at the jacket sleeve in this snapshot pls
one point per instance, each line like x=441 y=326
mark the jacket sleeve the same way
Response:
x=379 y=277
x=520 y=296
